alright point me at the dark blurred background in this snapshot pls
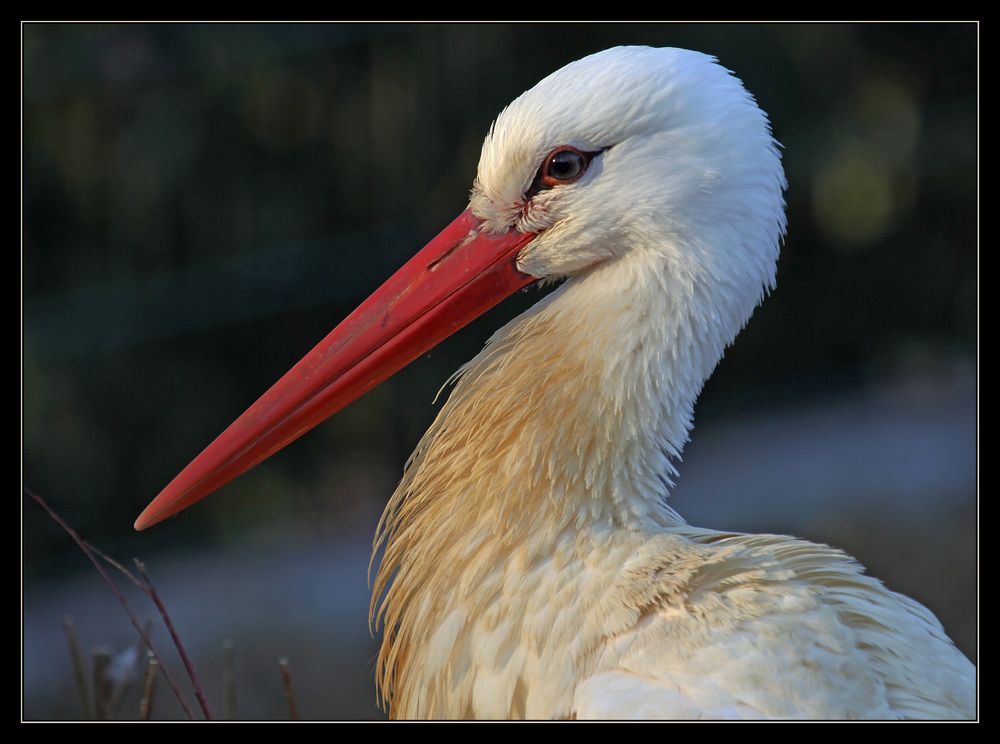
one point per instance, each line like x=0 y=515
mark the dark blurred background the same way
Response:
x=202 y=203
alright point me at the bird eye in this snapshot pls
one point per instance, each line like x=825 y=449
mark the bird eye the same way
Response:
x=563 y=165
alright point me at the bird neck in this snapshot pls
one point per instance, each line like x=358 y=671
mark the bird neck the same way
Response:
x=569 y=419
x=576 y=410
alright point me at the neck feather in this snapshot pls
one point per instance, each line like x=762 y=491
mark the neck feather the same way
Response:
x=571 y=417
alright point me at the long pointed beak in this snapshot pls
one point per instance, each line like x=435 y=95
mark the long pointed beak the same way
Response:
x=458 y=276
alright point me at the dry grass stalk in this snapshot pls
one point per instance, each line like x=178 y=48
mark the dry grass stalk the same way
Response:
x=76 y=658
x=148 y=687
x=229 y=677
x=103 y=685
x=286 y=685
x=91 y=554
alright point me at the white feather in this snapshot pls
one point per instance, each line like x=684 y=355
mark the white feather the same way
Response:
x=532 y=567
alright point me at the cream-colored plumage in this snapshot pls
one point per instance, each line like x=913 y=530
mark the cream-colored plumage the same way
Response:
x=531 y=566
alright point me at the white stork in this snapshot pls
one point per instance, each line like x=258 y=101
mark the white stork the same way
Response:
x=531 y=567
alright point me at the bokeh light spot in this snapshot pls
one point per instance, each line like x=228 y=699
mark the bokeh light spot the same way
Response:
x=853 y=199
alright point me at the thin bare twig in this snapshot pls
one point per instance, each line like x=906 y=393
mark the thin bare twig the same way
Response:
x=148 y=687
x=286 y=684
x=115 y=564
x=69 y=626
x=117 y=592
x=192 y=673
x=102 y=683
x=146 y=585
x=229 y=677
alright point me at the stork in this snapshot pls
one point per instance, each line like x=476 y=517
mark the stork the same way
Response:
x=532 y=567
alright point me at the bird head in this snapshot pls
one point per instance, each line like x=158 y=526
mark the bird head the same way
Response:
x=637 y=149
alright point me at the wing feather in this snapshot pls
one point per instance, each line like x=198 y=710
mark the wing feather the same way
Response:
x=774 y=627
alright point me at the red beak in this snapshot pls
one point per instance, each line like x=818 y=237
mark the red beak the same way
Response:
x=458 y=276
